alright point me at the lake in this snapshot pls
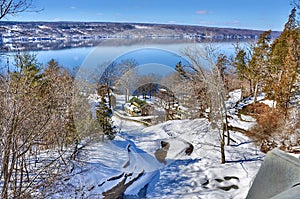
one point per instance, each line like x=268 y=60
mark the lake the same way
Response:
x=157 y=57
x=150 y=55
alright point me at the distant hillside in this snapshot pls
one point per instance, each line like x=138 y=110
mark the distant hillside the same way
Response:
x=57 y=35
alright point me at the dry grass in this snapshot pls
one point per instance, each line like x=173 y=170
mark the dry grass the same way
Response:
x=270 y=123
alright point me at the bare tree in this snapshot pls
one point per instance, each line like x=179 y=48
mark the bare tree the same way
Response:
x=35 y=118
x=128 y=74
x=13 y=7
x=191 y=90
x=205 y=67
x=147 y=85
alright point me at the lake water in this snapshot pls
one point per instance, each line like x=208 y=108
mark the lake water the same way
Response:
x=156 y=57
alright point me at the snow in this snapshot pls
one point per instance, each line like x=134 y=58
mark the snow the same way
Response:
x=233 y=104
x=44 y=27
x=234 y=97
x=100 y=162
x=186 y=176
x=270 y=103
x=247 y=118
x=94 y=98
x=142 y=27
x=198 y=175
x=235 y=121
x=130 y=107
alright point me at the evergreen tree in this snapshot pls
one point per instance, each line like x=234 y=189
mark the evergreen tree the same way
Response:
x=34 y=113
x=57 y=85
x=260 y=61
x=241 y=64
x=104 y=114
x=221 y=65
x=291 y=24
x=284 y=64
x=27 y=68
x=180 y=69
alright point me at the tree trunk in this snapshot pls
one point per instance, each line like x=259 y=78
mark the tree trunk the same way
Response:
x=5 y=165
x=109 y=96
x=250 y=87
x=126 y=95
x=225 y=125
x=167 y=114
x=227 y=130
x=255 y=92
x=223 y=148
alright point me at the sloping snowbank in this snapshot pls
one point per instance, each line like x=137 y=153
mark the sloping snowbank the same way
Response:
x=103 y=165
x=199 y=175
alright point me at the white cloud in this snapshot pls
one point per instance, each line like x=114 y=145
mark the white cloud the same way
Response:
x=202 y=12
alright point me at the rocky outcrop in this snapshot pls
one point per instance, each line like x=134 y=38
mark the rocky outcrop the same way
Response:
x=118 y=190
x=162 y=152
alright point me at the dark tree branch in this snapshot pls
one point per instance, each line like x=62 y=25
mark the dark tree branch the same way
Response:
x=14 y=7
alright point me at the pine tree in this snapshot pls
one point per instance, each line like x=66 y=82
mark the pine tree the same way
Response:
x=31 y=120
x=221 y=65
x=260 y=60
x=291 y=24
x=284 y=64
x=241 y=65
x=104 y=114
x=180 y=69
x=27 y=68
x=57 y=84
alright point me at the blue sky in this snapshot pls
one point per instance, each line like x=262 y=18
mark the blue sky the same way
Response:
x=251 y=14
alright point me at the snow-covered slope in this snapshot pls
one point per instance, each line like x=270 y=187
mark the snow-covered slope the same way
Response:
x=130 y=158
x=175 y=159
x=102 y=166
x=199 y=175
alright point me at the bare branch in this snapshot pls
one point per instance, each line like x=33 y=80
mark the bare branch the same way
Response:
x=13 y=7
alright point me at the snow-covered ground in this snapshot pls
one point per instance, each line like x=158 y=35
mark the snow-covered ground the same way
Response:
x=199 y=175
x=132 y=157
x=103 y=165
x=233 y=104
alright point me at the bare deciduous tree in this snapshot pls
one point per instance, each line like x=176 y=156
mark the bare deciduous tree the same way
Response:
x=207 y=68
x=147 y=85
x=35 y=119
x=128 y=74
x=13 y=7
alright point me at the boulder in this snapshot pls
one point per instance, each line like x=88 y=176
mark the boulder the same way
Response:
x=277 y=178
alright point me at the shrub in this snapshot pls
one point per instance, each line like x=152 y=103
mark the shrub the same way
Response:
x=268 y=129
x=255 y=109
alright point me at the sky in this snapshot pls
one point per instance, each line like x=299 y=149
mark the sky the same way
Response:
x=249 y=14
